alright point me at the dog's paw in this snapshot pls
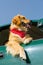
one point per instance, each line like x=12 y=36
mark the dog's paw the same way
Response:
x=27 y=40
x=22 y=53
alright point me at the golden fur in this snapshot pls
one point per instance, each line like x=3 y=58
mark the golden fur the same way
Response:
x=13 y=45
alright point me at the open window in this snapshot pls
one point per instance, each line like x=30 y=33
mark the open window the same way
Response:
x=36 y=32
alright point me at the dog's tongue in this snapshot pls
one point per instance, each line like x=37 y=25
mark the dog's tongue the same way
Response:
x=18 y=32
x=28 y=26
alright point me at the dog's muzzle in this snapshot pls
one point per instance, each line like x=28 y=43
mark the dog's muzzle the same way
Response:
x=27 y=25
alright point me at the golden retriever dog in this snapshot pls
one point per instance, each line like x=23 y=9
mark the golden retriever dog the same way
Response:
x=17 y=36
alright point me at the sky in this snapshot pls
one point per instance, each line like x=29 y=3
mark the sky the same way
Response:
x=32 y=9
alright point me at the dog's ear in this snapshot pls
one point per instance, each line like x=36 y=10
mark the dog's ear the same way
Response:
x=16 y=20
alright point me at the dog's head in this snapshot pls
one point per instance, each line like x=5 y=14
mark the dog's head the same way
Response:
x=20 y=22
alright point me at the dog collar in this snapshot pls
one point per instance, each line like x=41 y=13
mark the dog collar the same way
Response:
x=18 y=32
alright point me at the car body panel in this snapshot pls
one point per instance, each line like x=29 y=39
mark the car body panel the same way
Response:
x=34 y=51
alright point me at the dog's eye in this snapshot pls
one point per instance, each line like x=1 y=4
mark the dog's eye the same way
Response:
x=23 y=23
